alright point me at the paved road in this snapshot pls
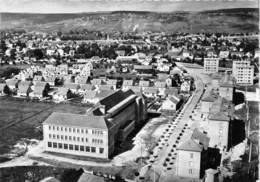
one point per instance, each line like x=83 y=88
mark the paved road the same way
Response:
x=162 y=162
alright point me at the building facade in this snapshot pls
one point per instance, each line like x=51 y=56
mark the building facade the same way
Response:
x=243 y=72
x=95 y=133
x=211 y=65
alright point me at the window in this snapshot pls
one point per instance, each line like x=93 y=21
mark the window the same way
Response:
x=73 y=130
x=76 y=147
x=74 y=138
x=82 y=131
x=86 y=131
x=191 y=155
x=58 y=136
x=81 y=148
x=82 y=139
x=57 y=128
x=61 y=137
x=87 y=149
x=49 y=135
x=86 y=139
x=191 y=164
x=53 y=128
x=93 y=149
x=65 y=146
x=60 y=145
x=49 y=127
x=65 y=129
x=70 y=138
x=53 y=136
x=71 y=147
x=49 y=144
x=66 y=137
x=190 y=171
x=77 y=130
x=69 y=129
x=54 y=145
x=101 y=150
x=61 y=128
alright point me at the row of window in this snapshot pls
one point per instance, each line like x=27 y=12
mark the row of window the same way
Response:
x=73 y=138
x=75 y=147
x=74 y=130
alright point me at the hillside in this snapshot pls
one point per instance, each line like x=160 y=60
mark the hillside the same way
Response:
x=228 y=20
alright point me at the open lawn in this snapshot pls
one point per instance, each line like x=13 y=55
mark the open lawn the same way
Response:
x=20 y=118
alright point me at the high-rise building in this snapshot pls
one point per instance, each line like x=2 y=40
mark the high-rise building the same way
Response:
x=211 y=65
x=243 y=72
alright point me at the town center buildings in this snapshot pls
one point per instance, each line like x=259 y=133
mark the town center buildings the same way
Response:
x=243 y=72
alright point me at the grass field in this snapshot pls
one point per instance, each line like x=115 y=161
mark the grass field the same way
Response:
x=22 y=119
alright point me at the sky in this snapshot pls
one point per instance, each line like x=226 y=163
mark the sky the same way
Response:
x=76 y=6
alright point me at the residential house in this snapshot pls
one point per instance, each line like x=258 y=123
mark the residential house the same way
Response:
x=12 y=84
x=150 y=92
x=81 y=79
x=50 y=80
x=4 y=89
x=62 y=94
x=24 y=88
x=127 y=84
x=161 y=86
x=37 y=78
x=170 y=105
x=40 y=90
x=207 y=100
x=193 y=156
x=113 y=83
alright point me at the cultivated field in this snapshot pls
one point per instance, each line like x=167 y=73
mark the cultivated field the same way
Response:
x=20 y=118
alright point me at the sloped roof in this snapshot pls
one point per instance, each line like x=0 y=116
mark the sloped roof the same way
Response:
x=105 y=87
x=37 y=78
x=115 y=98
x=77 y=120
x=171 y=91
x=62 y=91
x=71 y=85
x=111 y=82
x=38 y=90
x=24 y=83
x=190 y=145
x=23 y=89
x=40 y=84
x=11 y=82
x=203 y=139
x=219 y=116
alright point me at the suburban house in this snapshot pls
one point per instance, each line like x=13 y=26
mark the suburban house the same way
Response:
x=40 y=90
x=95 y=133
x=81 y=79
x=50 y=79
x=24 y=88
x=37 y=78
x=86 y=87
x=62 y=94
x=12 y=84
x=170 y=105
x=127 y=84
x=4 y=89
x=150 y=92
x=113 y=83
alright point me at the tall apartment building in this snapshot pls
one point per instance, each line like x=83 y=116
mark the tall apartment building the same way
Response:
x=243 y=72
x=211 y=65
x=95 y=133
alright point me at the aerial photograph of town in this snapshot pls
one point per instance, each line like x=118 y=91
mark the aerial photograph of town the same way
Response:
x=129 y=90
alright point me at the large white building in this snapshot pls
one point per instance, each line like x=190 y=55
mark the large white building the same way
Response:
x=211 y=65
x=94 y=134
x=243 y=72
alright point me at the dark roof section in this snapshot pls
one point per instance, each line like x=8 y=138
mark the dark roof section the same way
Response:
x=113 y=99
x=190 y=145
